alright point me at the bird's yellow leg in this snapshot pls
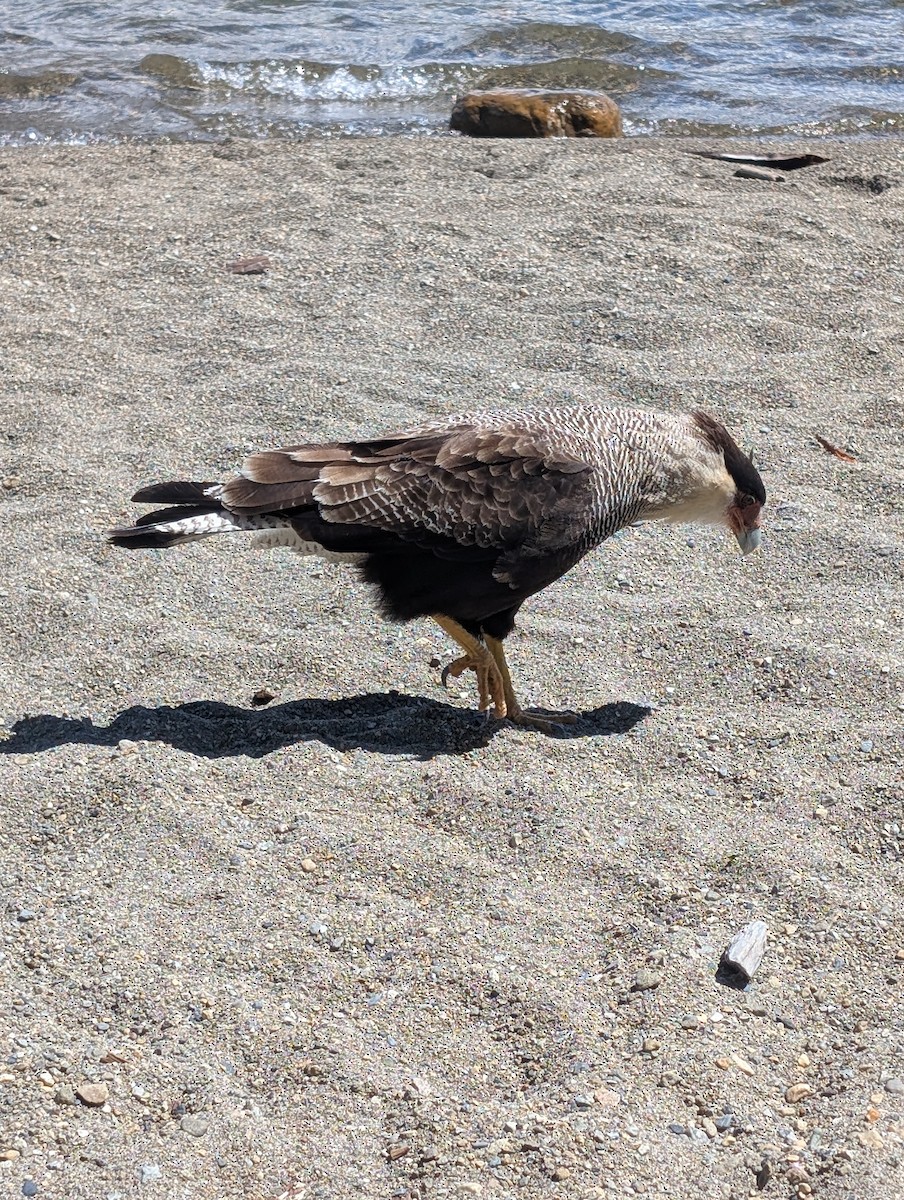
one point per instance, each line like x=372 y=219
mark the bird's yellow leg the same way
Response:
x=478 y=659
x=517 y=714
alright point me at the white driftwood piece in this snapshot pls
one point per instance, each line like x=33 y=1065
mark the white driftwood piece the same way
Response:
x=746 y=949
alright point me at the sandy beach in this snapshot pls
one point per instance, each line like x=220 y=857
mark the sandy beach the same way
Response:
x=360 y=942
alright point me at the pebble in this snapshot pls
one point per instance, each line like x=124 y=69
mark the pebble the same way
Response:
x=871 y=1139
x=798 y=1091
x=895 y=1086
x=761 y=173
x=194 y=1123
x=149 y=1173
x=65 y=1095
x=29 y=1188
x=93 y=1094
x=26 y=914
x=645 y=980
x=866 y=745
x=680 y=1130
x=560 y=1174
x=308 y=865
x=469 y=1189
x=742 y=1064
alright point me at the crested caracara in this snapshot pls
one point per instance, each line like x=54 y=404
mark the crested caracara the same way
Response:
x=463 y=519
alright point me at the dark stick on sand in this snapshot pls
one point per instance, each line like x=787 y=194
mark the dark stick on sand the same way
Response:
x=780 y=162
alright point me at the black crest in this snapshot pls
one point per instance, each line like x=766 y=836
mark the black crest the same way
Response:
x=738 y=464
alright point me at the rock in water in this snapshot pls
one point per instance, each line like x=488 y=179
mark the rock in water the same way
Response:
x=526 y=113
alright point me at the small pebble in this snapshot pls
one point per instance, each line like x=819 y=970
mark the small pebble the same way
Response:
x=797 y=1092
x=29 y=1188
x=742 y=1064
x=308 y=865
x=895 y=1086
x=645 y=980
x=93 y=1094
x=194 y=1123
x=26 y=914
x=149 y=1173
x=560 y=1174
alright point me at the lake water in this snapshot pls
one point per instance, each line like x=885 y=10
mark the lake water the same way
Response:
x=205 y=69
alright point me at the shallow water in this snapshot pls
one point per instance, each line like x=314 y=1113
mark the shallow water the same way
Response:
x=205 y=69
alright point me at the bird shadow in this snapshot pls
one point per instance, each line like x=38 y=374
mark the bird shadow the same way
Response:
x=381 y=723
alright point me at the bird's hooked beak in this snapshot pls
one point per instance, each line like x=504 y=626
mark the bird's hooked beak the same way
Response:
x=748 y=539
x=744 y=522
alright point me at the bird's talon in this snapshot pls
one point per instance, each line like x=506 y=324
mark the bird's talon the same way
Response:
x=490 y=689
x=457 y=667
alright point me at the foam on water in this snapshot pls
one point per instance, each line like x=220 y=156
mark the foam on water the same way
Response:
x=82 y=71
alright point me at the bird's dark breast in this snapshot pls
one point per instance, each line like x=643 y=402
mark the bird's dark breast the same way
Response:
x=419 y=583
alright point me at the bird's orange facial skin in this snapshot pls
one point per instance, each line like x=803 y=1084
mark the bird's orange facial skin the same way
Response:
x=743 y=519
x=744 y=515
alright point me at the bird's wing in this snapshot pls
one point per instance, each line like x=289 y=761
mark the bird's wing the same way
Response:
x=489 y=489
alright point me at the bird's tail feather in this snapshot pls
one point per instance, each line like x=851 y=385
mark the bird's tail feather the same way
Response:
x=178 y=491
x=194 y=511
x=172 y=526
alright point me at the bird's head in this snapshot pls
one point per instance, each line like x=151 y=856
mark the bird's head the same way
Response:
x=705 y=477
x=740 y=491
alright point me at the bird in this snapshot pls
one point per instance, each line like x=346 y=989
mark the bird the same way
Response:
x=463 y=518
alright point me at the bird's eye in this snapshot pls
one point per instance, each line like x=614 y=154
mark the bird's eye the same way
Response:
x=745 y=501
